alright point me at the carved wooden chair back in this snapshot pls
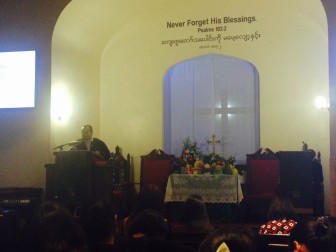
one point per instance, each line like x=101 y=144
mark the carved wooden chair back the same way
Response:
x=156 y=168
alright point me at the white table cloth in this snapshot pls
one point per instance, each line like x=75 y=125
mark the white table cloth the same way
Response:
x=212 y=188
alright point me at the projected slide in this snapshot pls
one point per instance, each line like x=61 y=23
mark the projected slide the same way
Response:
x=17 y=79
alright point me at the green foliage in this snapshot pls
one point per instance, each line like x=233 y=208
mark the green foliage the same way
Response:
x=212 y=158
x=209 y=158
x=192 y=147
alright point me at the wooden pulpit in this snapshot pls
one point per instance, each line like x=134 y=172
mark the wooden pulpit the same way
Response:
x=296 y=179
x=76 y=179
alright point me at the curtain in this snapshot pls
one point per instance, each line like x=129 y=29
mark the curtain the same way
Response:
x=212 y=95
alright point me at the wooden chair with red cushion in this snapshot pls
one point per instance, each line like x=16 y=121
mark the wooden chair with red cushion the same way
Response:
x=262 y=185
x=156 y=168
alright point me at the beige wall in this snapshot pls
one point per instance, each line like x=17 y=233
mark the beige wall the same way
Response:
x=25 y=133
x=133 y=62
x=289 y=80
x=92 y=55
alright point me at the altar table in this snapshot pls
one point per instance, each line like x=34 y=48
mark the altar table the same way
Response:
x=212 y=188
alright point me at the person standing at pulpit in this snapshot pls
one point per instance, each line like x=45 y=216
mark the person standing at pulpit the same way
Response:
x=90 y=143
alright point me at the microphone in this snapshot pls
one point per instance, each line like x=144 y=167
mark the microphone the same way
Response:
x=72 y=143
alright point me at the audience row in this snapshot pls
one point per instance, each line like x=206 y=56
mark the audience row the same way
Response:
x=97 y=229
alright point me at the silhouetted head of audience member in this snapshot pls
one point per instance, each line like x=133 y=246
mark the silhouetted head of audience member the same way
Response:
x=281 y=208
x=54 y=230
x=195 y=213
x=281 y=217
x=194 y=208
x=313 y=235
x=150 y=197
x=148 y=223
x=229 y=239
x=148 y=232
x=331 y=220
x=99 y=223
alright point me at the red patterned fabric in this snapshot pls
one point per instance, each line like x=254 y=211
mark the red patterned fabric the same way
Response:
x=277 y=227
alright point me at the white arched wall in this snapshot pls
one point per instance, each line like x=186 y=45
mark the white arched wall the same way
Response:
x=124 y=85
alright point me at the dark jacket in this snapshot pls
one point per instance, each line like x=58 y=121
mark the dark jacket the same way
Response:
x=96 y=145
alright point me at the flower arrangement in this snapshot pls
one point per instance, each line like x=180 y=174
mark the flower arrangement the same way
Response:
x=196 y=162
x=190 y=151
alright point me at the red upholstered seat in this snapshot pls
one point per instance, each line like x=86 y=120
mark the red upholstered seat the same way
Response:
x=263 y=179
x=156 y=168
x=264 y=176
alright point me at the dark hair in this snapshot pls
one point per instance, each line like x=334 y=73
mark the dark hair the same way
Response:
x=150 y=197
x=332 y=230
x=194 y=208
x=149 y=222
x=237 y=240
x=98 y=222
x=195 y=213
x=317 y=234
x=88 y=126
x=54 y=230
x=281 y=208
